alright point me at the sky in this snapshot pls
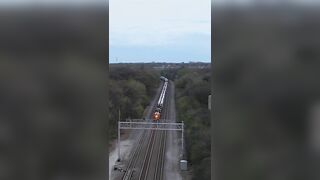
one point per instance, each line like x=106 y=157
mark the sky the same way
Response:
x=159 y=30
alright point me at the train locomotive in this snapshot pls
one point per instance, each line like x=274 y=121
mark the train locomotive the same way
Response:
x=157 y=113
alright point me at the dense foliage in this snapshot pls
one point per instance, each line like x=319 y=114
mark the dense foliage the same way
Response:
x=131 y=89
x=192 y=90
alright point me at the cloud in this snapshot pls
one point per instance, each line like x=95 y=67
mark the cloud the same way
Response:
x=157 y=22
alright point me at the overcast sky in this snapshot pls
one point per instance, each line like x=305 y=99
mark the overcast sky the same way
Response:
x=160 y=30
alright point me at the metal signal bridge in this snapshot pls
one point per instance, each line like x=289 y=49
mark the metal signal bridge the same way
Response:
x=144 y=125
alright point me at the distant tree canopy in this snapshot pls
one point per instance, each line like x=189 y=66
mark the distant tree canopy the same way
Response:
x=169 y=73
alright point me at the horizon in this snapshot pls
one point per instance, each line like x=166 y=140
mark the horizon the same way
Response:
x=161 y=62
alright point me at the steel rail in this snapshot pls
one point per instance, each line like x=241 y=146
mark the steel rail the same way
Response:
x=146 y=161
x=137 y=153
x=155 y=146
x=161 y=143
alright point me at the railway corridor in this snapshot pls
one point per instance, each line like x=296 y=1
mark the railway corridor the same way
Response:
x=155 y=155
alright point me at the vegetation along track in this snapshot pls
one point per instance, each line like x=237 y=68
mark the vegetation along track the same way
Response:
x=147 y=160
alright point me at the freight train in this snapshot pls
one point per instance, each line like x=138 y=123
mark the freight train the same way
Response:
x=157 y=113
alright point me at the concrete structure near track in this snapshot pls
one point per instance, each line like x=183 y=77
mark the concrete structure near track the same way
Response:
x=183 y=165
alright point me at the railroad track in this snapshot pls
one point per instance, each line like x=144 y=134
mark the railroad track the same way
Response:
x=147 y=160
x=158 y=175
x=155 y=157
x=153 y=163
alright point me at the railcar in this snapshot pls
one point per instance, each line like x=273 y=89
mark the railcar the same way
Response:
x=157 y=113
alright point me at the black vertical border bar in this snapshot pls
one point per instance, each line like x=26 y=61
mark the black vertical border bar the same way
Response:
x=107 y=93
x=212 y=94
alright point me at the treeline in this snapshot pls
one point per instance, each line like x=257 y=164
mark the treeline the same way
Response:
x=192 y=90
x=130 y=91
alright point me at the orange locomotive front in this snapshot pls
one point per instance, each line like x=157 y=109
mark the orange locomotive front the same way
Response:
x=156 y=116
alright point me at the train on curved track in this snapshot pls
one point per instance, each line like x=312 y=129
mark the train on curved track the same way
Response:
x=157 y=113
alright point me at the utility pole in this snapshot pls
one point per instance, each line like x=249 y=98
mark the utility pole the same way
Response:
x=183 y=161
x=182 y=137
x=209 y=102
x=119 y=137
